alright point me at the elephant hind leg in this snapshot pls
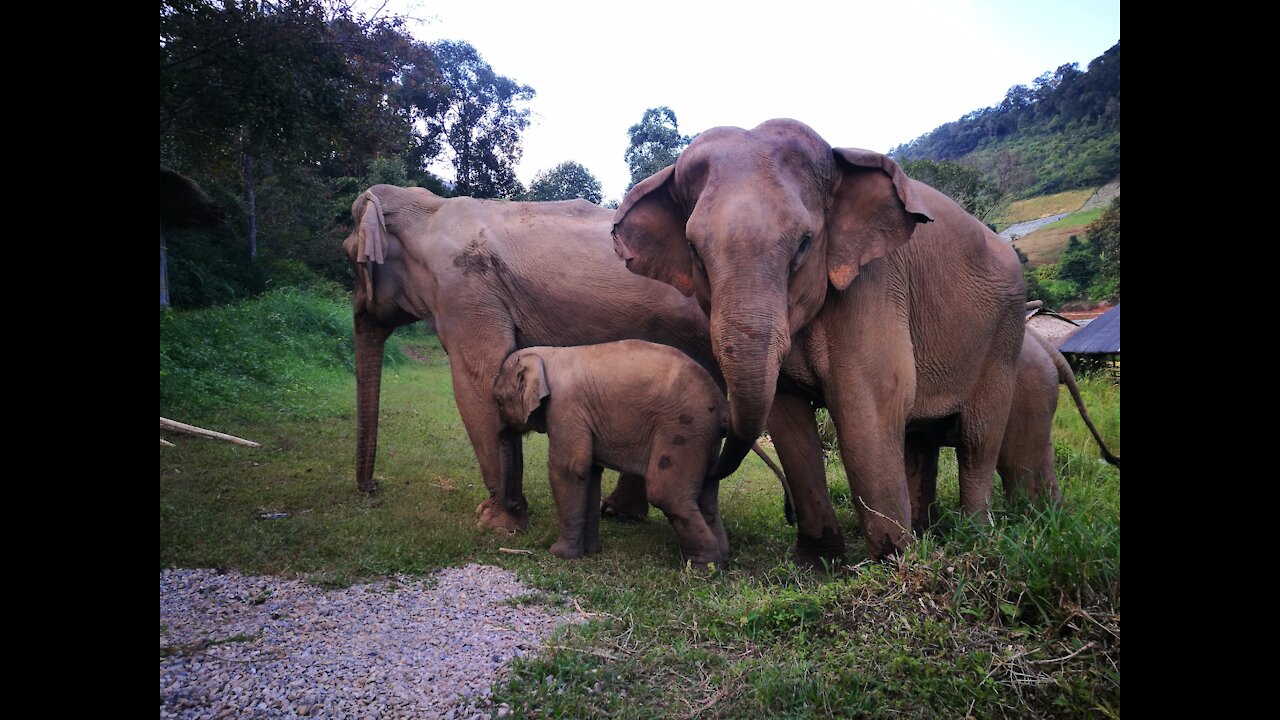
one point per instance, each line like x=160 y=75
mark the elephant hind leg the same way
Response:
x=628 y=500
x=921 y=460
x=982 y=427
x=1026 y=453
x=709 y=506
x=675 y=489
x=794 y=430
x=590 y=514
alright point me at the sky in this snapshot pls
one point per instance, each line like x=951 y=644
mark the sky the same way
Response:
x=862 y=73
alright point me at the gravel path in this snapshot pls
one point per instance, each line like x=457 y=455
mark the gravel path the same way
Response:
x=235 y=646
x=1030 y=226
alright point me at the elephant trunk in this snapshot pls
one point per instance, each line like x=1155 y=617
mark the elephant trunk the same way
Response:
x=371 y=338
x=750 y=346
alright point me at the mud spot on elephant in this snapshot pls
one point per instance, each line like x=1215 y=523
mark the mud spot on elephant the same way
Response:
x=665 y=462
x=678 y=440
x=685 y=419
x=476 y=259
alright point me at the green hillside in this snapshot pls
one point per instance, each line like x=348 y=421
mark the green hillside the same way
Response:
x=1062 y=133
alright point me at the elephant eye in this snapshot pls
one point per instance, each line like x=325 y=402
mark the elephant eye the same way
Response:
x=801 y=251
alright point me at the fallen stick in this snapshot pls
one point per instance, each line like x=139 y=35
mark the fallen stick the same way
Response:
x=514 y=551
x=167 y=424
x=166 y=443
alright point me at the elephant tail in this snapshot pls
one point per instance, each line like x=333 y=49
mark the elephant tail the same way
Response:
x=1068 y=378
x=788 y=507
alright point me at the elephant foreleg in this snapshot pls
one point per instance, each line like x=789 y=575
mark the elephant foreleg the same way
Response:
x=873 y=448
x=794 y=431
x=575 y=483
x=499 y=450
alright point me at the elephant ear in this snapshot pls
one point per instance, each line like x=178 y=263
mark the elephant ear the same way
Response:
x=648 y=232
x=873 y=212
x=371 y=240
x=533 y=385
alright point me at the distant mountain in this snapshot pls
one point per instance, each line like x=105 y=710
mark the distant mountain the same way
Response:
x=1061 y=133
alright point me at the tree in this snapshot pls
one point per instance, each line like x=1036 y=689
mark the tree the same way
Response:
x=249 y=81
x=1078 y=264
x=480 y=120
x=656 y=142
x=965 y=185
x=1104 y=239
x=566 y=181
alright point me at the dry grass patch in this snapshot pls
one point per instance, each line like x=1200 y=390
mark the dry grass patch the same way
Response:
x=1044 y=206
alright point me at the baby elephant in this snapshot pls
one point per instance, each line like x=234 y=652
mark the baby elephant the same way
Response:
x=631 y=406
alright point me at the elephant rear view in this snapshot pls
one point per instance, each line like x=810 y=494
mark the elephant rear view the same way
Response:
x=1026 y=461
x=631 y=406
x=494 y=276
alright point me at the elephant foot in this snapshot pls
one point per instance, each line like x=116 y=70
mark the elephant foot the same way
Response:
x=594 y=546
x=566 y=550
x=494 y=516
x=819 y=553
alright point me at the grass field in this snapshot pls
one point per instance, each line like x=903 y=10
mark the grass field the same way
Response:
x=1018 y=619
x=1046 y=244
x=1044 y=206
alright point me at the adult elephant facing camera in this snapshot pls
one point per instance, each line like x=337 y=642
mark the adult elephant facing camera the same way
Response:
x=492 y=277
x=832 y=279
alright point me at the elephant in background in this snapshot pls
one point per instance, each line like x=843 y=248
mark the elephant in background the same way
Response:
x=492 y=277
x=833 y=279
x=631 y=406
x=1026 y=460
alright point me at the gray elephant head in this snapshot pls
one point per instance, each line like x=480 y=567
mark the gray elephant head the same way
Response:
x=520 y=390
x=758 y=224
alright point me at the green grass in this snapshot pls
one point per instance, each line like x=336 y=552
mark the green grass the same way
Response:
x=1079 y=219
x=1019 y=619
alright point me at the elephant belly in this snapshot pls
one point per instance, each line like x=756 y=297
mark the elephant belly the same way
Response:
x=625 y=458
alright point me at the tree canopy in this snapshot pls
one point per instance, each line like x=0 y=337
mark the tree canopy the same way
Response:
x=965 y=185
x=1104 y=239
x=283 y=111
x=566 y=181
x=656 y=142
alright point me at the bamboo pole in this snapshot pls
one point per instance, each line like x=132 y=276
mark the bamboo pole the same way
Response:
x=167 y=424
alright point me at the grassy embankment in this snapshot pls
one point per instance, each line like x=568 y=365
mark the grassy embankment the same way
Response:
x=1045 y=245
x=1018 y=619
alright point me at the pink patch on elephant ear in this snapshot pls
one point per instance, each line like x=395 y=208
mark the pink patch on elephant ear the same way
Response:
x=843 y=275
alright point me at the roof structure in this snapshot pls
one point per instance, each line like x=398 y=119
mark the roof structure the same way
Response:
x=1099 y=337
x=1050 y=325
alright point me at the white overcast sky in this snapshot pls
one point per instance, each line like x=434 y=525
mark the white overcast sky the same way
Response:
x=862 y=73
